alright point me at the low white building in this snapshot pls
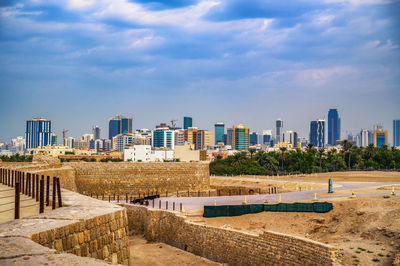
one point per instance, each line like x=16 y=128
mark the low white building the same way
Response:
x=144 y=153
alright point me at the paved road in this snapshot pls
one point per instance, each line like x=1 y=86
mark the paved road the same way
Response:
x=196 y=203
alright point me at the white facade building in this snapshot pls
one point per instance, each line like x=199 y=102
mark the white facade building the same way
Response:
x=144 y=153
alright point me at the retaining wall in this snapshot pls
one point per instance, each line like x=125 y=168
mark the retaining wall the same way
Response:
x=85 y=227
x=127 y=177
x=227 y=246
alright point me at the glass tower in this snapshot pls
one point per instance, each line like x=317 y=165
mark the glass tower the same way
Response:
x=38 y=132
x=396 y=133
x=279 y=127
x=317 y=133
x=240 y=137
x=333 y=127
x=187 y=122
x=219 y=132
x=119 y=125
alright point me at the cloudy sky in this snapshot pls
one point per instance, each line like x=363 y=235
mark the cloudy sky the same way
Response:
x=79 y=62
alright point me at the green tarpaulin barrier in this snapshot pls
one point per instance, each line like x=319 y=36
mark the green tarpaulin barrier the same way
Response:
x=236 y=210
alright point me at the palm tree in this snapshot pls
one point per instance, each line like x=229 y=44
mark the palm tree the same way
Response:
x=252 y=151
x=321 y=152
x=283 y=150
x=346 y=146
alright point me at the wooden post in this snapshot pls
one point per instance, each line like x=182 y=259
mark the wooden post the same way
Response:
x=23 y=182
x=209 y=193
x=159 y=204
x=102 y=197
x=17 y=202
x=118 y=198
x=180 y=206
x=37 y=187
x=166 y=205
x=167 y=193
x=33 y=186
x=48 y=191
x=126 y=197
x=41 y=204
x=12 y=178
x=53 y=203
x=109 y=197
x=59 y=193
x=173 y=206
x=153 y=203
x=188 y=193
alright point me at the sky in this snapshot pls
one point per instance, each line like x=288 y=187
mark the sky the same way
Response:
x=80 y=62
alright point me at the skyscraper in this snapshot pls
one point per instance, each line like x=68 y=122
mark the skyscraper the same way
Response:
x=365 y=138
x=38 y=132
x=253 y=138
x=229 y=137
x=219 y=132
x=380 y=136
x=163 y=138
x=317 y=133
x=333 y=127
x=96 y=132
x=396 y=133
x=53 y=139
x=119 y=125
x=187 y=122
x=279 y=128
x=267 y=137
x=240 y=137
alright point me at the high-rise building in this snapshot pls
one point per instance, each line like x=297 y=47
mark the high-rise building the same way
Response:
x=96 y=132
x=163 y=138
x=38 y=132
x=380 y=136
x=122 y=141
x=253 y=138
x=396 y=133
x=53 y=139
x=219 y=132
x=119 y=125
x=180 y=137
x=333 y=127
x=240 y=137
x=366 y=137
x=279 y=130
x=69 y=142
x=187 y=122
x=18 y=145
x=317 y=133
x=229 y=137
x=267 y=137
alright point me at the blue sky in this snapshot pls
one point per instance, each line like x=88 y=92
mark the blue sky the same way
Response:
x=79 y=62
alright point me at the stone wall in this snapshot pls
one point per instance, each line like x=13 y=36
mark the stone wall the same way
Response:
x=227 y=246
x=128 y=177
x=123 y=177
x=85 y=227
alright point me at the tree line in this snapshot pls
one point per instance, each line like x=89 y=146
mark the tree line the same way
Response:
x=16 y=158
x=310 y=160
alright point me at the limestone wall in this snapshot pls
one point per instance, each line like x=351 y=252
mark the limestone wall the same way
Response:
x=128 y=177
x=227 y=246
x=85 y=227
x=123 y=177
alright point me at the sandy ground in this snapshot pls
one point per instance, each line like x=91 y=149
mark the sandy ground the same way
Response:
x=366 y=230
x=264 y=184
x=354 y=176
x=160 y=254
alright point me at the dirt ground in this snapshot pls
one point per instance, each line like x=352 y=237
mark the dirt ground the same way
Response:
x=264 y=184
x=160 y=254
x=365 y=230
x=354 y=176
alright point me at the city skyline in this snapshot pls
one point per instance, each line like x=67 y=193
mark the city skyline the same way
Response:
x=58 y=132
x=79 y=62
